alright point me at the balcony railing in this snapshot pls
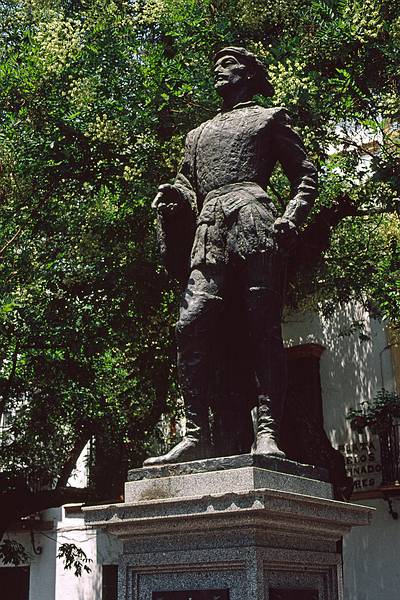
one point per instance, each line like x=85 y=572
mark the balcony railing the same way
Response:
x=389 y=441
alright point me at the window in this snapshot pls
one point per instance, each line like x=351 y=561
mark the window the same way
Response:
x=109 y=588
x=14 y=583
x=304 y=379
x=303 y=437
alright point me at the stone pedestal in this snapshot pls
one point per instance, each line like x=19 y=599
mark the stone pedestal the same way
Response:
x=238 y=528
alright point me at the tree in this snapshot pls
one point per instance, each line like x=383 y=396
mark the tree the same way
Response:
x=95 y=99
x=84 y=312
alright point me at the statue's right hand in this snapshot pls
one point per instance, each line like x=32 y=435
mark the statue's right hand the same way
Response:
x=168 y=199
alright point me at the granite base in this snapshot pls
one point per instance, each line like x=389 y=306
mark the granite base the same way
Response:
x=244 y=527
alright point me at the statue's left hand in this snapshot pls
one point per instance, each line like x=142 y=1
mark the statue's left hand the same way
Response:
x=285 y=232
x=168 y=199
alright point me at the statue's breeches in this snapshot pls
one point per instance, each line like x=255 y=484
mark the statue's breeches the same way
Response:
x=259 y=281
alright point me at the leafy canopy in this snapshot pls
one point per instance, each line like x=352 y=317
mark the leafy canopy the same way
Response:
x=95 y=99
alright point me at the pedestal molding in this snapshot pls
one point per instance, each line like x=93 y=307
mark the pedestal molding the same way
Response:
x=245 y=540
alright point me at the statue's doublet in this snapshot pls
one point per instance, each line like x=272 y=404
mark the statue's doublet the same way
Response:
x=235 y=146
x=226 y=168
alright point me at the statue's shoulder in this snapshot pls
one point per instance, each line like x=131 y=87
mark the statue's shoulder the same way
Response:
x=275 y=113
x=197 y=130
x=194 y=134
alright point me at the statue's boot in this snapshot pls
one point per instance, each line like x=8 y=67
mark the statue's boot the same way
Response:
x=193 y=446
x=194 y=331
x=264 y=319
x=267 y=432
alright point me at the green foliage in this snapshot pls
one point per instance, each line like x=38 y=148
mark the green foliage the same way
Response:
x=364 y=260
x=378 y=415
x=335 y=65
x=74 y=558
x=12 y=553
x=84 y=314
x=95 y=99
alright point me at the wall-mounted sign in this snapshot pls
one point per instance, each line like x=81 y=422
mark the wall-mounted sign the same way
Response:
x=363 y=463
x=192 y=595
x=292 y=594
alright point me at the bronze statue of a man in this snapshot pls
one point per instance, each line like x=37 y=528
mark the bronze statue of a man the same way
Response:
x=217 y=220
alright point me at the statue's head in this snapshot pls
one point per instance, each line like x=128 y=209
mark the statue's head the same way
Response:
x=234 y=66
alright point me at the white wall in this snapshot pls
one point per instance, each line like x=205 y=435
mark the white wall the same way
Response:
x=100 y=548
x=42 y=566
x=371 y=557
x=48 y=578
x=42 y=582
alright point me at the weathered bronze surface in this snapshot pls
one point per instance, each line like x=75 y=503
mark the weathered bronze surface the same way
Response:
x=223 y=237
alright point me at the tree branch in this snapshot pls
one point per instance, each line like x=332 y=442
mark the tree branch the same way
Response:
x=32 y=213
x=6 y=393
x=314 y=240
x=374 y=211
x=11 y=240
x=75 y=453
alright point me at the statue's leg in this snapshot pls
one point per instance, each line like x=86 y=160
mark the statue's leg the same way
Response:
x=199 y=312
x=263 y=294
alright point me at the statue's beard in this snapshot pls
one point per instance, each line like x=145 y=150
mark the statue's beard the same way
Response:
x=225 y=87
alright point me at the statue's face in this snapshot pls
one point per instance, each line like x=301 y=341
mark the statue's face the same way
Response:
x=229 y=72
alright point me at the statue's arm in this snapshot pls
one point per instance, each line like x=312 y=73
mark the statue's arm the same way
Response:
x=176 y=206
x=300 y=171
x=184 y=180
x=171 y=198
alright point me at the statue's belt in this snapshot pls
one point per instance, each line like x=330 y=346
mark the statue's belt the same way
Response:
x=233 y=196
